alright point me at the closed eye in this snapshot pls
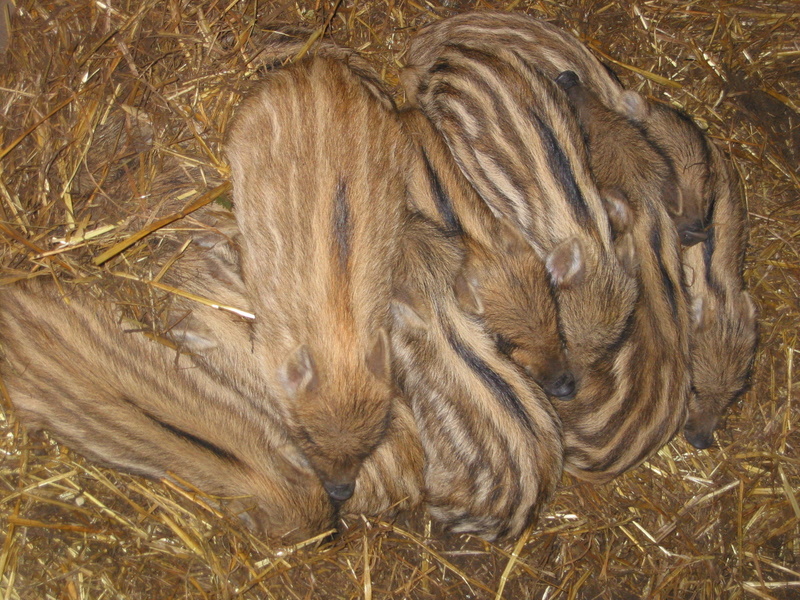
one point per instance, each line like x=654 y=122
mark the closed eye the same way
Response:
x=504 y=345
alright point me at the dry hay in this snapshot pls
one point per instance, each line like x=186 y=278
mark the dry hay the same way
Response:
x=153 y=85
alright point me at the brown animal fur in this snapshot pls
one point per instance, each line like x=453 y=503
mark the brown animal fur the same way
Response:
x=635 y=179
x=491 y=438
x=634 y=399
x=319 y=219
x=221 y=343
x=435 y=378
x=503 y=281
x=555 y=51
x=620 y=155
x=284 y=44
x=724 y=337
x=514 y=135
x=723 y=334
x=689 y=150
x=123 y=400
x=391 y=478
x=467 y=498
x=513 y=130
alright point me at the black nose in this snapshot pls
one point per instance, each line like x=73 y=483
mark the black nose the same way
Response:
x=567 y=79
x=563 y=387
x=339 y=491
x=699 y=439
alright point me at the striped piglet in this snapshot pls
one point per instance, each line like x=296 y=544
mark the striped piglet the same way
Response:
x=319 y=233
x=121 y=399
x=515 y=136
x=687 y=168
x=723 y=332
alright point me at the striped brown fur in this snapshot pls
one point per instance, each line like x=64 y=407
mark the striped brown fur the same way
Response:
x=221 y=344
x=286 y=44
x=503 y=281
x=634 y=399
x=650 y=401
x=554 y=51
x=689 y=149
x=724 y=334
x=319 y=243
x=493 y=452
x=435 y=378
x=538 y=42
x=126 y=401
x=533 y=167
x=647 y=243
x=514 y=135
x=621 y=156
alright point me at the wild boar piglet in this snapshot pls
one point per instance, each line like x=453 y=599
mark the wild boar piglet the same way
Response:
x=319 y=221
x=634 y=399
x=554 y=51
x=503 y=280
x=621 y=157
x=493 y=453
x=124 y=400
x=220 y=342
x=725 y=328
x=723 y=332
x=514 y=135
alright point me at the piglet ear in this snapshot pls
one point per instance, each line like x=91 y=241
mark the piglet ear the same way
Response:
x=408 y=310
x=299 y=374
x=620 y=217
x=379 y=357
x=512 y=239
x=672 y=198
x=406 y=316
x=625 y=250
x=410 y=77
x=633 y=106
x=466 y=286
x=697 y=312
x=618 y=209
x=566 y=264
x=192 y=334
x=703 y=313
x=752 y=309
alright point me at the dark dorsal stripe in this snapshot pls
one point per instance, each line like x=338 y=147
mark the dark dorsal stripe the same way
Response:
x=342 y=227
x=708 y=256
x=200 y=442
x=497 y=384
x=562 y=169
x=442 y=200
x=193 y=439
x=185 y=435
x=616 y=346
x=656 y=243
x=444 y=93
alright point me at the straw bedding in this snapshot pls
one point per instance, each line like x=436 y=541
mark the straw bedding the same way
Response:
x=111 y=95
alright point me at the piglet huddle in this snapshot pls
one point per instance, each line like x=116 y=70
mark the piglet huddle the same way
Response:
x=530 y=269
